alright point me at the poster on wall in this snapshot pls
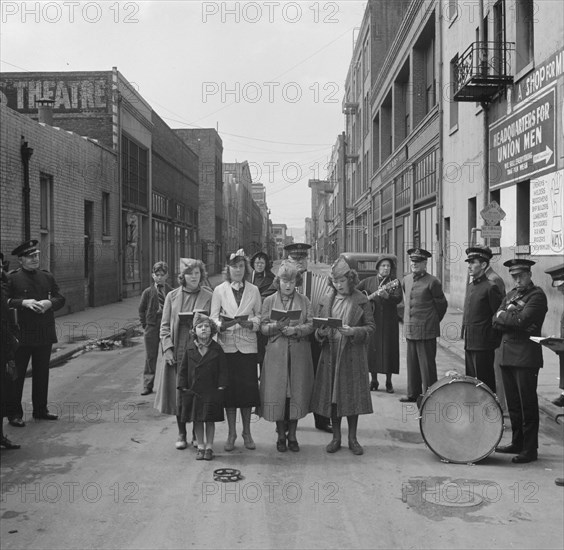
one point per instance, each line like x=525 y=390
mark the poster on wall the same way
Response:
x=546 y=207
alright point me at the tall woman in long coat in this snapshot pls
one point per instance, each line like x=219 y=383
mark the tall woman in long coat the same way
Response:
x=287 y=375
x=384 y=292
x=341 y=383
x=176 y=337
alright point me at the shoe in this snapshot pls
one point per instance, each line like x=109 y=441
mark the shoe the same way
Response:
x=293 y=446
x=249 y=443
x=16 y=422
x=7 y=444
x=374 y=385
x=334 y=446
x=194 y=444
x=230 y=443
x=45 y=416
x=355 y=447
x=281 y=445
x=408 y=400
x=389 y=388
x=324 y=428
x=559 y=480
x=508 y=449
x=559 y=401
x=208 y=454
x=181 y=443
x=201 y=454
x=523 y=458
x=146 y=391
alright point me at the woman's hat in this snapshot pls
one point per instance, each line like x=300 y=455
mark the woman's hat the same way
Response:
x=236 y=257
x=339 y=268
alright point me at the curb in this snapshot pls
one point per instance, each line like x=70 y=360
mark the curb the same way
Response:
x=60 y=358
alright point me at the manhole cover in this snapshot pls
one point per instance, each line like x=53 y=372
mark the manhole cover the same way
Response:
x=452 y=496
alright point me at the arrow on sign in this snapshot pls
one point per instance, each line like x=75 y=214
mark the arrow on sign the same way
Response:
x=546 y=155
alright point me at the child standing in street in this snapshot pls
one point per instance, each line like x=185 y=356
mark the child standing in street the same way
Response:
x=150 y=315
x=203 y=376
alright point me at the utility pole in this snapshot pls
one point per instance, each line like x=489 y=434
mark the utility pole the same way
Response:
x=344 y=190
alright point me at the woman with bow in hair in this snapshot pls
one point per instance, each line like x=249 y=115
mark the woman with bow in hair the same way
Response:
x=384 y=292
x=235 y=308
x=176 y=336
x=341 y=382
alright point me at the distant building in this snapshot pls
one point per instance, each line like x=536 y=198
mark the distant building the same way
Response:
x=207 y=144
x=280 y=238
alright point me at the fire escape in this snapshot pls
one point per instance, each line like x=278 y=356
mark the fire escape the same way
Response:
x=483 y=71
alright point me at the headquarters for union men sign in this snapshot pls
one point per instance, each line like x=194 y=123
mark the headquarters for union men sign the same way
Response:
x=523 y=144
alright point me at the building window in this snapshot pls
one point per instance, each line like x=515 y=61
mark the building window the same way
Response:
x=430 y=75
x=495 y=196
x=160 y=205
x=376 y=143
x=106 y=226
x=524 y=18
x=453 y=104
x=447 y=256
x=134 y=172
x=523 y=212
x=472 y=219
x=180 y=212
x=426 y=176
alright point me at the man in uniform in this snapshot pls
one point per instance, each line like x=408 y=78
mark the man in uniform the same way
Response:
x=425 y=307
x=312 y=286
x=35 y=295
x=520 y=316
x=482 y=300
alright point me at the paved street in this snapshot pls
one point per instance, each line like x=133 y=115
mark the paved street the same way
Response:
x=107 y=475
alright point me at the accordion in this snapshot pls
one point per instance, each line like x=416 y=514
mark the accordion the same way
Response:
x=314 y=286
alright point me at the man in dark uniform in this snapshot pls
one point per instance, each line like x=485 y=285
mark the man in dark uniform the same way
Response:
x=425 y=307
x=312 y=287
x=483 y=299
x=520 y=316
x=557 y=274
x=35 y=295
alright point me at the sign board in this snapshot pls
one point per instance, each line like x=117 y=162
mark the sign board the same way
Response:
x=493 y=213
x=546 y=211
x=523 y=144
x=491 y=231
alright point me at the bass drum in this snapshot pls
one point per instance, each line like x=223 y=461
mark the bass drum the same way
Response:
x=461 y=420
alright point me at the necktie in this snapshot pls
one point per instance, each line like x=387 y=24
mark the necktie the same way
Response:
x=160 y=292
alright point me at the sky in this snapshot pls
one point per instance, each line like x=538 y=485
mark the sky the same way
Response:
x=269 y=76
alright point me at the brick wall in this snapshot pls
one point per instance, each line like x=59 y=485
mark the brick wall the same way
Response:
x=81 y=171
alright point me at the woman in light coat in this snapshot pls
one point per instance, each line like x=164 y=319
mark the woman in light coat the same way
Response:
x=287 y=376
x=176 y=337
x=236 y=297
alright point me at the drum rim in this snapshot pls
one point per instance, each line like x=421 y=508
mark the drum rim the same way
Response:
x=466 y=380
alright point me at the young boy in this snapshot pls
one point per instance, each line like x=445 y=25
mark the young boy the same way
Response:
x=150 y=315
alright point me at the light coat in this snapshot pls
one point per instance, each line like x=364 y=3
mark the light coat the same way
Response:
x=282 y=351
x=237 y=338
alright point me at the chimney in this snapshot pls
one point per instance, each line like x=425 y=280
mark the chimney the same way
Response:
x=45 y=110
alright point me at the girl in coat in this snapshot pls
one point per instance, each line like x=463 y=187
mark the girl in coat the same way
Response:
x=233 y=298
x=287 y=376
x=341 y=382
x=201 y=379
x=175 y=338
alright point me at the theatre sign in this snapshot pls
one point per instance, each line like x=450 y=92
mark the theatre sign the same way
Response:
x=523 y=144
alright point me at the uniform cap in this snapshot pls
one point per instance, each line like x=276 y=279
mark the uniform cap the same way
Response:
x=297 y=249
x=518 y=265
x=479 y=252
x=557 y=274
x=418 y=254
x=26 y=248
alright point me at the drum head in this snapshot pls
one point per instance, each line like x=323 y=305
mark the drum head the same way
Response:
x=461 y=421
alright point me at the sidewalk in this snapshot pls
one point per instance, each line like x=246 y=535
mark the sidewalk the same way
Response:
x=547 y=388
x=116 y=321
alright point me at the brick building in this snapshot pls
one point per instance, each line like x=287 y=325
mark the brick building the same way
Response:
x=207 y=144
x=103 y=105
x=74 y=208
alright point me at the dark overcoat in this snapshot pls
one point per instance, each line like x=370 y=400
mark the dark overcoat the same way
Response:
x=520 y=316
x=425 y=306
x=344 y=376
x=149 y=305
x=35 y=329
x=483 y=299
x=383 y=344
x=201 y=376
